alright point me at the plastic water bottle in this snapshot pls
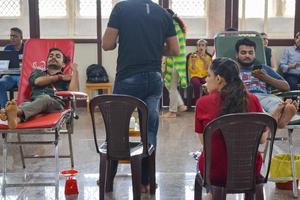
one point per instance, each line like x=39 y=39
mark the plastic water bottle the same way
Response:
x=132 y=122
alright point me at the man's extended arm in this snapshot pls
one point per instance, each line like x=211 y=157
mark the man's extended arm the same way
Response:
x=49 y=79
x=46 y=80
x=279 y=84
x=109 y=40
x=74 y=83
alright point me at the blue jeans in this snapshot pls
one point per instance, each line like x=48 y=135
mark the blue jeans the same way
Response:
x=269 y=102
x=293 y=80
x=147 y=87
x=7 y=82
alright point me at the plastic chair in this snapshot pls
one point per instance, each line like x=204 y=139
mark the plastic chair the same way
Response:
x=242 y=133
x=35 y=56
x=225 y=44
x=116 y=111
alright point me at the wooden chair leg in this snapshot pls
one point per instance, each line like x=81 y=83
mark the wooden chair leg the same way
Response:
x=102 y=175
x=198 y=187
x=152 y=173
x=136 y=171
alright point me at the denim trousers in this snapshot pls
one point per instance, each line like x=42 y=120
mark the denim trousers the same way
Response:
x=7 y=82
x=146 y=86
x=293 y=80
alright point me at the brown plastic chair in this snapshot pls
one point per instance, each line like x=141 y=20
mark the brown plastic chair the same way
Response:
x=116 y=111
x=242 y=133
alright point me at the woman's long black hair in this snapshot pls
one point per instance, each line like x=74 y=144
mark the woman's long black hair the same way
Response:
x=233 y=94
x=177 y=19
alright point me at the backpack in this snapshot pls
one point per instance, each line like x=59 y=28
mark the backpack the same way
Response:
x=96 y=74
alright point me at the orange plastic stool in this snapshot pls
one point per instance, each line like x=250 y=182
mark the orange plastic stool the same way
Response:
x=71 y=187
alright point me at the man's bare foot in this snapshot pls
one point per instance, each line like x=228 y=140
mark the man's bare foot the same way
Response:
x=3 y=115
x=169 y=115
x=182 y=108
x=276 y=114
x=296 y=104
x=289 y=110
x=11 y=112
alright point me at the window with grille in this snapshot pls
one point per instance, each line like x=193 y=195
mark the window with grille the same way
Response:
x=53 y=8
x=87 y=8
x=189 y=8
x=10 y=8
x=194 y=15
x=106 y=7
x=266 y=15
x=253 y=10
x=289 y=8
x=275 y=8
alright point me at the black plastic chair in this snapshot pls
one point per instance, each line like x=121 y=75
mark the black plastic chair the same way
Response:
x=242 y=133
x=116 y=111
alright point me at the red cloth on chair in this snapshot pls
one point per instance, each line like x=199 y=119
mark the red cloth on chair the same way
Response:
x=40 y=121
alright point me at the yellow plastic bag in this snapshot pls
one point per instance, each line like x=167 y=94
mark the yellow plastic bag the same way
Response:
x=281 y=166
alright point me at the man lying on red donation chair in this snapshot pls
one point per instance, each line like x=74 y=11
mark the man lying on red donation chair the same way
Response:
x=44 y=84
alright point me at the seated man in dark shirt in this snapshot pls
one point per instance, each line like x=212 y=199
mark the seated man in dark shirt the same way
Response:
x=44 y=84
x=8 y=82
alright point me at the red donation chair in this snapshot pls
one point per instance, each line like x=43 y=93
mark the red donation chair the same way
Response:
x=35 y=56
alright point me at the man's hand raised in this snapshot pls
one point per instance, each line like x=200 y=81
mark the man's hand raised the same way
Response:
x=261 y=74
x=74 y=67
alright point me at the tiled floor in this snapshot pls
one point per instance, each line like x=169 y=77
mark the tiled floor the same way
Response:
x=175 y=165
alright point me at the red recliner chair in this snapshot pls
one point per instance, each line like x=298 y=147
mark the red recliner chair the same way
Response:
x=35 y=56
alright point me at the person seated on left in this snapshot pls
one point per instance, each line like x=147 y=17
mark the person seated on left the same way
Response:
x=44 y=83
x=8 y=82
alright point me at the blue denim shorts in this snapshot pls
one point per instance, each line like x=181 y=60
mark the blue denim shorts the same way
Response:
x=268 y=101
